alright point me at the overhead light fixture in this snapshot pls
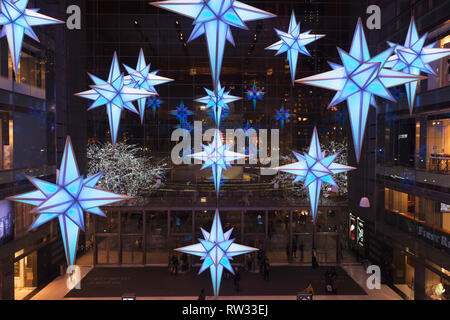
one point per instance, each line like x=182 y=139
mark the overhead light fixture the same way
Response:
x=364 y=203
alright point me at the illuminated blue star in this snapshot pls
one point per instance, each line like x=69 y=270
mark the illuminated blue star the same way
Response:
x=255 y=95
x=154 y=102
x=214 y=18
x=217 y=101
x=66 y=200
x=115 y=95
x=182 y=113
x=216 y=251
x=358 y=81
x=294 y=42
x=413 y=57
x=314 y=168
x=218 y=157
x=17 y=21
x=142 y=78
x=283 y=115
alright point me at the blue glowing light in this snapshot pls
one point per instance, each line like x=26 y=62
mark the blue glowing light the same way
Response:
x=255 y=95
x=142 y=78
x=359 y=81
x=293 y=42
x=155 y=103
x=314 y=168
x=66 y=200
x=218 y=157
x=182 y=113
x=216 y=250
x=283 y=115
x=115 y=95
x=217 y=101
x=413 y=57
x=17 y=21
x=214 y=18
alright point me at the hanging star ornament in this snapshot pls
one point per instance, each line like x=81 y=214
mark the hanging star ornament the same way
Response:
x=17 y=21
x=293 y=42
x=413 y=57
x=314 y=168
x=217 y=101
x=141 y=78
x=155 y=103
x=255 y=95
x=214 y=18
x=218 y=157
x=283 y=115
x=181 y=112
x=216 y=250
x=66 y=200
x=115 y=95
x=359 y=81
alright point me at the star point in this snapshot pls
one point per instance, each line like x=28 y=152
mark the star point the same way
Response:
x=67 y=199
x=214 y=18
x=18 y=21
x=314 y=169
x=358 y=81
x=255 y=95
x=216 y=250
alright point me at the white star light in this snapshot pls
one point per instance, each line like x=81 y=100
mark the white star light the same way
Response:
x=214 y=18
x=218 y=157
x=358 y=81
x=67 y=199
x=216 y=251
x=413 y=57
x=314 y=168
x=115 y=95
x=293 y=42
x=218 y=100
x=17 y=21
x=141 y=78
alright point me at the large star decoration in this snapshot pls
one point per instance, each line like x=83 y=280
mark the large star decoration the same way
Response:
x=216 y=251
x=214 y=18
x=255 y=95
x=17 y=21
x=282 y=115
x=413 y=57
x=66 y=200
x=218 y=157
x=217 y=101
x=314 y=168
x=142 y=78
x=115 y=95
x=293 y=42
x=358 y=81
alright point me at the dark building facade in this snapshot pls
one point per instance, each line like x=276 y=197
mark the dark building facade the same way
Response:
x=405 y=166
x=37 y=113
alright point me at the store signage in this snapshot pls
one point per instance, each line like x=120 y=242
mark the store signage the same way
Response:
x=360 y=232
x=352 y=227
x=439 y=239
x=6 y=221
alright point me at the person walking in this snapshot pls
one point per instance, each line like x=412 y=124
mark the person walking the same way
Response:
x=314 y=259
x=300 y=248
x=266 y=269
x=250 y=262
x=237 y=279
x=202 y=295
x=288 y=252
x=175 y=265
x=294 y=249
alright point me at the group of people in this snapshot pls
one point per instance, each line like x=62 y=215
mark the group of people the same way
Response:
x=174 y=264
x=293 y=254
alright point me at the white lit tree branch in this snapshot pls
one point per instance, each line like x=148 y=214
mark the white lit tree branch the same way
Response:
x=126 y=171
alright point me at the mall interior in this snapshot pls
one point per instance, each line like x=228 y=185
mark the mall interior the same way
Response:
x=393 y=211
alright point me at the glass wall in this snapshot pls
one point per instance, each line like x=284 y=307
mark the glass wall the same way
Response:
x=25 y=275
x=438 y=145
